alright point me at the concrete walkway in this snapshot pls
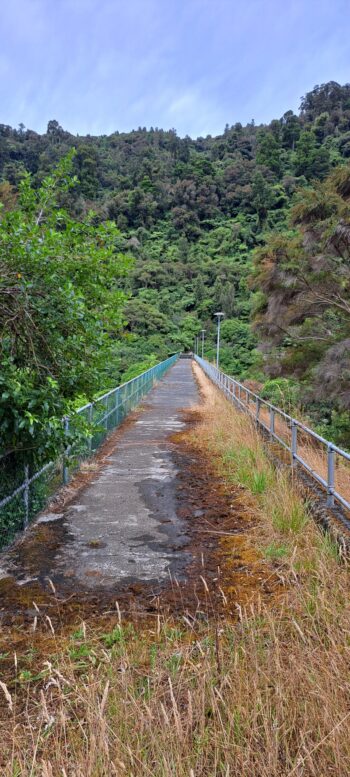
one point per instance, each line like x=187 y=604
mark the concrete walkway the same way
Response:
x=123 y=526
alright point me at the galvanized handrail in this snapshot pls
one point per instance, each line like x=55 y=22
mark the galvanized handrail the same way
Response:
x=116 y=403
x=252 y=403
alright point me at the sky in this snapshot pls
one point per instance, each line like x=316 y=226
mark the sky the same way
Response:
x=98 y=66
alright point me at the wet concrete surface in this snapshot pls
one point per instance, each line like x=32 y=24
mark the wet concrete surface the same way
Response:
x=125 y=525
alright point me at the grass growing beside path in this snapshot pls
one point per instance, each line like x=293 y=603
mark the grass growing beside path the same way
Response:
x=265 y=696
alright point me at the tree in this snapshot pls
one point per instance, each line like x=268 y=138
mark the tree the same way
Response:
x=269 y=152
x=302 y=278
x=60 y=307
x=262 y=196
x=290 y=130
x=311 y=160
x=86 y=166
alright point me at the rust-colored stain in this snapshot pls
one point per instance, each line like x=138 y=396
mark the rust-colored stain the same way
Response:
x=226 y=571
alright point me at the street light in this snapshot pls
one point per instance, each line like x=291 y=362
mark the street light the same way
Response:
x=203 y=333
x=219 y=316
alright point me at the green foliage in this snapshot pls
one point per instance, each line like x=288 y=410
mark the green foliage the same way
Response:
x=282 y=392
x=190 y=213
x=312 y=160
x=269 y=152
x=276 y=552
x=139 y=367
x=60 y=307
x=289 y=519
x=302 y=313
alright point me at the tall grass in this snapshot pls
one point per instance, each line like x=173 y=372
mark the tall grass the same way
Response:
x=266 y=696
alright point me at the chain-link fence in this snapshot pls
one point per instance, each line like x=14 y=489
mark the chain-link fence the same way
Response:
x=25 y=491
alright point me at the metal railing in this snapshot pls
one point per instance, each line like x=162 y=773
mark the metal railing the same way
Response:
x=305 y=446
x=99 y=418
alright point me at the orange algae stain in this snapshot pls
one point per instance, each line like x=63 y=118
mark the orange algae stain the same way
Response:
x=244 y=571
x=226 y=570
x=223 y=522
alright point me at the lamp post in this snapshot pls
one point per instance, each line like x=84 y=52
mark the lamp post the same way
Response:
x=203 y=333
x=219 y=316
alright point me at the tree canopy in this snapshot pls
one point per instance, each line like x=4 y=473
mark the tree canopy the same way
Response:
x=190 y=213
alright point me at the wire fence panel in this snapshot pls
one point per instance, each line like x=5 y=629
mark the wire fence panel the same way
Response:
x=23 y=493
x=325 y=462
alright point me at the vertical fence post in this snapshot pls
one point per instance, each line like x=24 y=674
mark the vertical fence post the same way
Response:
x=105 y=405
x=294 y=443
x=65 y=462
x=330 y=476
x=257 y=409
x=26 y=495
x=90 y=422
x=116 y=408
x=272 y=422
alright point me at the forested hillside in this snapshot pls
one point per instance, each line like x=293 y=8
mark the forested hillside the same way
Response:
x=192 y=216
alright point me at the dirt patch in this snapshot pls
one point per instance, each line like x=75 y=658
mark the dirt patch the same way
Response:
x=226 y=572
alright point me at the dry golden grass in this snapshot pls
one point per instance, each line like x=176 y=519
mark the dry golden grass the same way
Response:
x=313 y=452
x=268 y=696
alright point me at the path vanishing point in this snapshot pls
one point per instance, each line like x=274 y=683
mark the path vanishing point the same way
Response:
x=124 y=525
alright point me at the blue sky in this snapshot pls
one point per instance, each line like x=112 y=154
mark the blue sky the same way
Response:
x=104 y=65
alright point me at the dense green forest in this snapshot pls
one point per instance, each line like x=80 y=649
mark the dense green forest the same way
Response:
x=116 y=250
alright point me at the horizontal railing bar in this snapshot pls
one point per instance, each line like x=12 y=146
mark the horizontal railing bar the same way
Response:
x=127 y=383
x=310 y=470
x=230 y=386
x=345 y=504
x=280 y=440
x=285 y=415
x=144 y=383
x=40 y=472
x=7 y=499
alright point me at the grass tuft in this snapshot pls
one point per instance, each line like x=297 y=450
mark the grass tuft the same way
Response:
x=264 y=696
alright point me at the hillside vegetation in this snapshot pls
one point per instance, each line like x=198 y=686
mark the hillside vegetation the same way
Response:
x=124 y=253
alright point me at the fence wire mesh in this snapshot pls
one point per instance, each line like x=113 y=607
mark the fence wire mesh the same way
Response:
x=24 y=491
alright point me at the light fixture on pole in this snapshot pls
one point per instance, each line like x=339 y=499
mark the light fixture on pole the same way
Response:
x=219 y=316
x=203 y=333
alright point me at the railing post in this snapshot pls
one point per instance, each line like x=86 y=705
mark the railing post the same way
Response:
x=294 y=443
x=105 y=404
x=272 y=422
x=330 y=476
x=26 y=495
x=65 y=463
x=90 y=422
x=116 y=407
x=257 y=409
